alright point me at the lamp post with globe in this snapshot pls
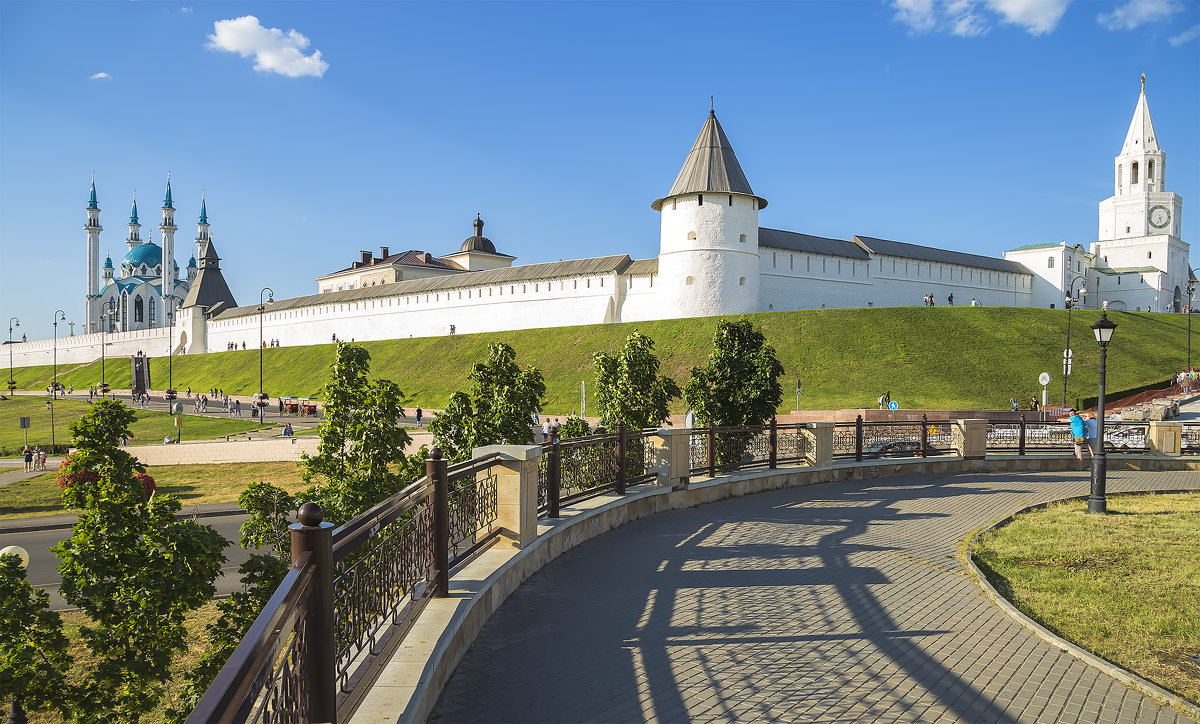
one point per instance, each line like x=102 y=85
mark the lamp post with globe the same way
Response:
x=1191 y=292
x=105 y=320
x=1097 y=503
x=59 y=316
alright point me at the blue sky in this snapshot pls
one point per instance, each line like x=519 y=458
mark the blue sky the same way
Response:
x=317 y=129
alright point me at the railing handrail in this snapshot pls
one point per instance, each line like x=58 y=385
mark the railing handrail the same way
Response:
x=259 y=647
x=353 y=532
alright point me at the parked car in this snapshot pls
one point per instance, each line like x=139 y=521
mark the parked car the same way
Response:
x=898 y=449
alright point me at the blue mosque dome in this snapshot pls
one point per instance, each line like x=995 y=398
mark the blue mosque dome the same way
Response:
x=108 y=262
x=149 y=254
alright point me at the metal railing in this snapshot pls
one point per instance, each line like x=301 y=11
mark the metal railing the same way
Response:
x=1055 y=437
x=713 y=450
x=350 y=597
x=861 y=440
x=585 y=467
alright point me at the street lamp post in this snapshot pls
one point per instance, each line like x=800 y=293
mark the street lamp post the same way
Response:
x=105 y=316
x=59 y=316
x=260 y=399
x=12 y=384
x=1191 y=291
x=169 y=312
x=1103 y=329
x=1069 y=302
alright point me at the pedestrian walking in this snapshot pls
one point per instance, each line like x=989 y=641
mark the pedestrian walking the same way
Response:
x=28 y=453
x=950 y=299
x=418 y=416
x=1078 y=434
x=925 y=300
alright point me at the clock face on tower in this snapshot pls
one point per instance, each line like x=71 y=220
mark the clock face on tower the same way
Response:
x=1160 y=216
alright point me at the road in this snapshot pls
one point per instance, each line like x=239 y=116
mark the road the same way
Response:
x=43 y=566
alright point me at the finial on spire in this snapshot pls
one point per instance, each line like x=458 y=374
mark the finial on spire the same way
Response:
x=1143 y=82
x=92 y=195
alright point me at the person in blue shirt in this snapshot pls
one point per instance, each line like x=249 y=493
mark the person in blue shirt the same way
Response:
x=1079 y=433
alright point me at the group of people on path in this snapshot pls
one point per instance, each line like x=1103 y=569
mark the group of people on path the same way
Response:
x=1186 y=380
x=1085 y=434
x=931 y=302
x=35 y=458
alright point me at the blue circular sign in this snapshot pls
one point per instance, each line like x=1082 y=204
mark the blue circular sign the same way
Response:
x=892 y=405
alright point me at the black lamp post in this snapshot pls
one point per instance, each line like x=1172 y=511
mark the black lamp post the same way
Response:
x=1103 y=329
x=59 y=316
x=12 y=384
x=1191 y=291
x=105 y=318
x=1069 y=302
x=260 y=399
x=169 y=313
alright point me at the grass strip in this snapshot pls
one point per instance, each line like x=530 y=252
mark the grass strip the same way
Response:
x=192 y=484
x=1125 y=586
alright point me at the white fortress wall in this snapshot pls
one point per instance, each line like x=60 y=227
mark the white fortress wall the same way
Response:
x=901 y=281
x=86 y=347
x=800 y=280
x=491 y=308
x=641 y=301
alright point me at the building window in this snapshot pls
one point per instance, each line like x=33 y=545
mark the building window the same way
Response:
x=151 y=307
x=742 y=238
x=741 y=281
x=1149 y=254
x=1050 y=263
x=1133 y=174
x=137 y=310
x=1120 y=177
x=691 y=236
x=689 y=281
x=773 y=260
x=1150 y=170
x=701 y=196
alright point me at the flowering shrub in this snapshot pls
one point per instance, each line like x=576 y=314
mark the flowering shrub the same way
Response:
x=147 y=483
x=71 y=473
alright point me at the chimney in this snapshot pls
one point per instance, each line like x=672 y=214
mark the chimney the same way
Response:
x=366 y=257
x=383 y=252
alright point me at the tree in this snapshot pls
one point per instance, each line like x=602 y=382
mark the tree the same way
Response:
x=739 y=385
x=498 y=410
x=132 y=566
x=629 y=389
x=33 y=649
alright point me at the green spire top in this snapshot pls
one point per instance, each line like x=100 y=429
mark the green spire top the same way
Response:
x=167 y=199
x=133 y=214
x=203 y=210
x=92 y=199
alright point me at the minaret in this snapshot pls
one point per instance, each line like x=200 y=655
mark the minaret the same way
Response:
x=135 y=237
x=708 y=259
x=202 y=235
x=93 y=229
x=167 y=238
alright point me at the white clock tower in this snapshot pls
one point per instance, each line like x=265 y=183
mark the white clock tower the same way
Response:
x=1140 y=224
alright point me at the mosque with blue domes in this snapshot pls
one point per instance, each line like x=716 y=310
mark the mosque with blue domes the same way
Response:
x=146 y=291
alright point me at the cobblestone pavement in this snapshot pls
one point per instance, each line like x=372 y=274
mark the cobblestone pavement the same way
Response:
x=833 y=603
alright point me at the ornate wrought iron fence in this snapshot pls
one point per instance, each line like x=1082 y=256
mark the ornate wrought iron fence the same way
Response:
x=1125 y=437
x=351 y=595
x=860 y=440
x=1190 y=443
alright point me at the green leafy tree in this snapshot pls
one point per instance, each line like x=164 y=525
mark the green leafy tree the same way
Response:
x=132 y=566
x=629 y=388
x=574 y=426
x=498 y=409
x=33 y=649
x=739 y=385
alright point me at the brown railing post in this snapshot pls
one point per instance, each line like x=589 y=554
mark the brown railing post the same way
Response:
x=620 y=483
x=435 y=468
x=553 y=477
x=712 y=450
x=772 y=445
x=858 y=439
x=320 y=657
x=924 y=436
x=1021 y=437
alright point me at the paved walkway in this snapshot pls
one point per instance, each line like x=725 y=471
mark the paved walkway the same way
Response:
x=834 y=603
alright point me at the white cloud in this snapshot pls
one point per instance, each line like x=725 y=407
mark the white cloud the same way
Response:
x=972 y=18
x=98 y=76
x=1138 y=12
x=274 y=51
x=1038 y=17
x=185 y=9
x=1186 y=36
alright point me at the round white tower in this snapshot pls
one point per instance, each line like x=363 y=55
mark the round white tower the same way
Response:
x=708 y=260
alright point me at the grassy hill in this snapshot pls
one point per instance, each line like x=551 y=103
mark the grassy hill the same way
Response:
x=942 y=357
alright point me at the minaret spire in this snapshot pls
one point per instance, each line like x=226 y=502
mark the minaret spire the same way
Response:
x=135 y=238
x=167 y=239
x=93 y=229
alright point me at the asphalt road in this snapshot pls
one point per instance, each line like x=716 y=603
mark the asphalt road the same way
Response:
x=43 y=566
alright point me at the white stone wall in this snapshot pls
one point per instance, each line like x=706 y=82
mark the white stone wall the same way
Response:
x=641 y=300
x=524 y=305
x=715 y=245
x=799 y=280
x=86 y=347
x=905 y=282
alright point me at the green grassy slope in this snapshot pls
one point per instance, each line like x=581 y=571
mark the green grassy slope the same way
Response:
x=944 y=357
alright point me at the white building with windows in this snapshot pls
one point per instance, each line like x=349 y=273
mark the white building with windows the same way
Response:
x=714 y=258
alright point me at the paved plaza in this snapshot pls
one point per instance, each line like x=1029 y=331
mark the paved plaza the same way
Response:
x=841 y=602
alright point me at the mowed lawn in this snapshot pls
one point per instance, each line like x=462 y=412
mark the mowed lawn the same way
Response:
x=1125 y=586
x=149 y=428
x=192 y=484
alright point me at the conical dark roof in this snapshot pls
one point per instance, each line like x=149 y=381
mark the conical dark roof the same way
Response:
x=209 y=287
x=711 y=167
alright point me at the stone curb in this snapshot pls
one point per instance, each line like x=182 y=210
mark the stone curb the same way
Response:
x=1119 y=673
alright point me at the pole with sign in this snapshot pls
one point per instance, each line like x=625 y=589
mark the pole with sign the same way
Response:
x=797 y=395
x=1043 y=380
x=25 y=427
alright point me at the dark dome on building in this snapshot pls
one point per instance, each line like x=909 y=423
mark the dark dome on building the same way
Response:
x=479 y=242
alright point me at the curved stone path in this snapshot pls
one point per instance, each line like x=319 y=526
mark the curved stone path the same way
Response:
x=840 y=602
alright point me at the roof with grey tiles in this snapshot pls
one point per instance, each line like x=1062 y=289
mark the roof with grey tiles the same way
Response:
x=711 y=166
x=794 y=241
x=940 y=256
